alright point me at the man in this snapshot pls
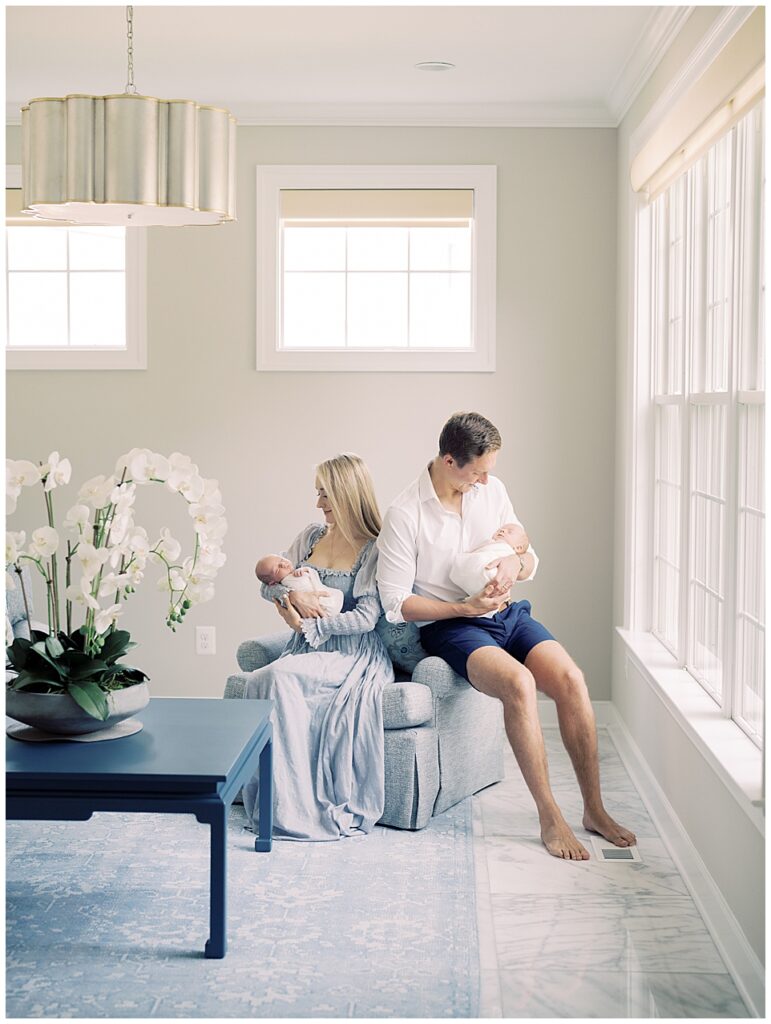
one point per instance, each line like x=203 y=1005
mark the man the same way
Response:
x=453 y=507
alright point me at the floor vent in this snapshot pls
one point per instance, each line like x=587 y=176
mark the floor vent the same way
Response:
x=610 y=854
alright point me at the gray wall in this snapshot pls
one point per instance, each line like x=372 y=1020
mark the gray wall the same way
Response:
x=261 y=434
x=729 y=843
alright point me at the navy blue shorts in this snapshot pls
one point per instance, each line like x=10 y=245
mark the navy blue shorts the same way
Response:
x=513 y=630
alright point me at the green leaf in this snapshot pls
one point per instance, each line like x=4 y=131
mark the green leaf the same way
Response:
x=18 y=652
x=40 y=649
x=25 y=680
x=115 y=645
x=90 y=698
x=54 y=647
x=82 y=666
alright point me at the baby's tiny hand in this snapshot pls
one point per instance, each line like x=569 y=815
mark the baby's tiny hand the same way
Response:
x=300 y=572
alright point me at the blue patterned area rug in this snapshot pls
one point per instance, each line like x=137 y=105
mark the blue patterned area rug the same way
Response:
x=107 y=918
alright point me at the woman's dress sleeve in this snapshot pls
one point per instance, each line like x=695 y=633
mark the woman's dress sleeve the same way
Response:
x=362 y=618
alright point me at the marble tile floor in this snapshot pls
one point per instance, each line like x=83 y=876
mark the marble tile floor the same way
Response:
x=587 y=939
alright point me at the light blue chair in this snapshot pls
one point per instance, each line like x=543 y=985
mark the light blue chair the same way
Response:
x=443 y=739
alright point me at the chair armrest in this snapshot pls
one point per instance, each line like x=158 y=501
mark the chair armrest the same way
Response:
x=439 y=677
x=254 y=654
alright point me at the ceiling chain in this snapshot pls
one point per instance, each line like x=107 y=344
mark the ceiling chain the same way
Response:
x=130 y=87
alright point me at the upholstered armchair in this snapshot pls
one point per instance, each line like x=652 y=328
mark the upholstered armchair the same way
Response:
x=443 y=739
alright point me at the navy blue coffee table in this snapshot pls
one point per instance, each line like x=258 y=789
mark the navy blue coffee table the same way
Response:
x=191 y=757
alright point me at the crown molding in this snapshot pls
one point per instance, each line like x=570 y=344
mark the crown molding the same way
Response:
x=726 y=25
x=659 y=34
x=450 y=115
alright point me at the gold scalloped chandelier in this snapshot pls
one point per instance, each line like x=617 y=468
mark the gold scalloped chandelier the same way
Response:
x=127 y=159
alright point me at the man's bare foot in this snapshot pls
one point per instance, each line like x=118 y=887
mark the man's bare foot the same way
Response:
x=602 y=823
x=559 y=840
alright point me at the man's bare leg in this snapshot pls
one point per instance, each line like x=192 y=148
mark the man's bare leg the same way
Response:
x=497 y=674
x=558 y=676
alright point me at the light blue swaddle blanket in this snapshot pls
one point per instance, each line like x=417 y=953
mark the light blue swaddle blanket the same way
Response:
x=328 y=716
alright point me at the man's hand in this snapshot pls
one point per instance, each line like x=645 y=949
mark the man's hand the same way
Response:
x=508 y=570
x=307 y=602
x=487 y=600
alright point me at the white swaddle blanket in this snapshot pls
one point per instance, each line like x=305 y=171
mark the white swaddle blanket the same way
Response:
x=468 y=571
x=332 y=604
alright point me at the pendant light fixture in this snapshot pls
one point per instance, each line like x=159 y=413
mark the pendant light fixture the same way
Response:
x=127 y=159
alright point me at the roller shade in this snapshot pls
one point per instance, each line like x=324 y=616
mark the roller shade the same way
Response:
x=357 y=206
x=14 y=216
x=732 y=84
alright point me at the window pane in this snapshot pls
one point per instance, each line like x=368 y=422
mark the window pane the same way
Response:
x=751 y=675
x=750 y=622
x=377 y=248
x=666 y=622
x=377 y=310
x=433 y=248
x=706 y=661
x=98 y=310
x=713 y=341
x=440 y=310
x=34 y=248
x=313 y=310
x=37 y=308
x=97 y=248
x=708 y=449
x=314 y=248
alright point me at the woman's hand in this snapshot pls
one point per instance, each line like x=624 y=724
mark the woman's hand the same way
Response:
x=289 y=615
x=307 y=603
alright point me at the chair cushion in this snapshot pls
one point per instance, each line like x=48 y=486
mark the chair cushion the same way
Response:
x=406 y=705
x=402 y=641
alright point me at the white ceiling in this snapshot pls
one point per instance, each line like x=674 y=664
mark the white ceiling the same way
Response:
x=340 y=65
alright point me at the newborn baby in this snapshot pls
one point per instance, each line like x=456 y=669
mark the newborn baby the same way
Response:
x=275 y=569
x=469 y=572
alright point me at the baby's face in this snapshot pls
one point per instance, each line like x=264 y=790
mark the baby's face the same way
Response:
x=273 y=568
x=511 y=533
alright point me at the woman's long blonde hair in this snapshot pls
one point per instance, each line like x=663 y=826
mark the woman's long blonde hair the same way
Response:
x=351 y=495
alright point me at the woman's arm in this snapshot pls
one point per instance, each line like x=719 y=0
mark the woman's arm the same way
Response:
x=360 y=619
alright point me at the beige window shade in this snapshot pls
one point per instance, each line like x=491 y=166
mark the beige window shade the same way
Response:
x=400 y=206
x=732 y=84
x=14 y=216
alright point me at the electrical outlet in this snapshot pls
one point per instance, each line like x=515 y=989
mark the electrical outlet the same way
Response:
x=205 y=640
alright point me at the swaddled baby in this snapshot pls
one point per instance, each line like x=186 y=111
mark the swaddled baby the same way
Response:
x=275 y=569
x=469 y=571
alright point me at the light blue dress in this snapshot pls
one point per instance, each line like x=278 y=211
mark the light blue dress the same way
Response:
x=328 y=716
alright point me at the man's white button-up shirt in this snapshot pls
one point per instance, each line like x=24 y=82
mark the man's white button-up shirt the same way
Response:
x=421 y=539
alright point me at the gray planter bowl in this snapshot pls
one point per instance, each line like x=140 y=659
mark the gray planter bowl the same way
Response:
x=59 y=714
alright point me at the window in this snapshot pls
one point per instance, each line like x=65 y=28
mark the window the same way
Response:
x=372 y=268
x=701 y=288
x=74 y=295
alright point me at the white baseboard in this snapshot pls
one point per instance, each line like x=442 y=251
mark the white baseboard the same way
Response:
x=742 y=962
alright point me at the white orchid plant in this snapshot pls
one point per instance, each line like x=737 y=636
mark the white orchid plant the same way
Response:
x=104 y=563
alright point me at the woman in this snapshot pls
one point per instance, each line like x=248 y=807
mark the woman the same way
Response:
x=328 y=682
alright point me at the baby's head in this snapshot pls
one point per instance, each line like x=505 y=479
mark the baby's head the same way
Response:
x=273 y=568
x=510 y=533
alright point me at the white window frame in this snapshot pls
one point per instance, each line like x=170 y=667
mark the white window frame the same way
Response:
x=721 y=739
x=133 y=356
x=271 y=179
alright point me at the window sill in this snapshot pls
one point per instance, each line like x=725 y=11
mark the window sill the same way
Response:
x=732 y=754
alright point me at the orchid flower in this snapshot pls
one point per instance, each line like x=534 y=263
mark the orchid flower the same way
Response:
x=56 y=471
x=44 y=542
